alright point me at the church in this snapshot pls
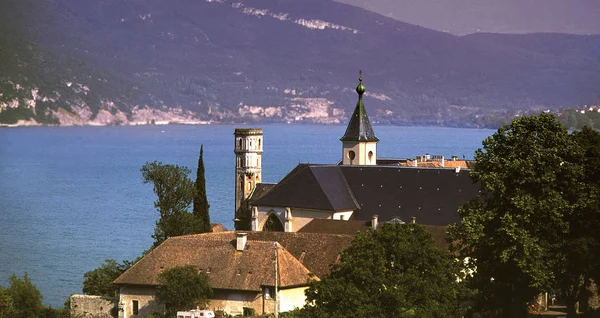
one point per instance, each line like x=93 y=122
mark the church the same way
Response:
x=361 y=187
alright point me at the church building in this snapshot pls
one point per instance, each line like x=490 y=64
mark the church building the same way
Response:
x=361 y=187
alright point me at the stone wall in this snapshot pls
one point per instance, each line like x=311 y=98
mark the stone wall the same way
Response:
x=143 y=296
x=87 y=306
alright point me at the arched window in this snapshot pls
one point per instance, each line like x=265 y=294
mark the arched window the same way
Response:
x=240 y=143
x=351 y=155
x=370 y=156
x=273 y=224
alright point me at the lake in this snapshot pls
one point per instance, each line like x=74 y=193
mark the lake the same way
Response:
x=71 y=197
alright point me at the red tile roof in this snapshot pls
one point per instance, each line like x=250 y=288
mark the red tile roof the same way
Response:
x=227 y=268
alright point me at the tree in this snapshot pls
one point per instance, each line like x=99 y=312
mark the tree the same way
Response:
x=201 y=206
x=183 y=288
x=395 y=271
x=21 y=299
x=581 y=262
x=100 y=280
x=6 y=308
x=516 y=232
x=175 y=192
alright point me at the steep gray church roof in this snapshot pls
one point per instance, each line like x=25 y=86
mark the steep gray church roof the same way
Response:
x=313 y=187
x=433 y=196
x=359 y=127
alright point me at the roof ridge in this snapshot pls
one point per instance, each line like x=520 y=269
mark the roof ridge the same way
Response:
x=321 y=186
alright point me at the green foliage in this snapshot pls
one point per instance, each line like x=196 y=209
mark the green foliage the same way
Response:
x=201 y=206
x=522 y=231
x=183 y=288
x=100 y=280
x=6 y=307
x=175 y=192
x=21 y=299
x=395 y=271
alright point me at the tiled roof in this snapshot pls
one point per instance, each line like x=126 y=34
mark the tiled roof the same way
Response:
x=349 y=227
x=260 y=190
x=432 y=195
x=313 y=187
x=463 y=164
x=215 y=254
x=440 y=234
x=218 y=227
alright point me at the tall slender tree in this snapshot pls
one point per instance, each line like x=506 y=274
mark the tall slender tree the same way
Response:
x=201 y=206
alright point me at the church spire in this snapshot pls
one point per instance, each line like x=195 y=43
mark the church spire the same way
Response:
x=359 y=143
x=359 y=127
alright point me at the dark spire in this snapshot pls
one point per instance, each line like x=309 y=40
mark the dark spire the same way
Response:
x=359 y=127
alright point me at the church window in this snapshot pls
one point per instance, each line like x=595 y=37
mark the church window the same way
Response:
x=351 y=155
x=370 y=156
x=259 y=143
x=240 y=143
x=273 y=224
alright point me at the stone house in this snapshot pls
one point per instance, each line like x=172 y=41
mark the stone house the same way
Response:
x=240 y=268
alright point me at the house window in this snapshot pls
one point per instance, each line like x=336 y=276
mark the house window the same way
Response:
x=136 y=307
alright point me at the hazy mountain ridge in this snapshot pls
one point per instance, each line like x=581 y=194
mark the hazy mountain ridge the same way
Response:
x=506 y=16
x=287 y=61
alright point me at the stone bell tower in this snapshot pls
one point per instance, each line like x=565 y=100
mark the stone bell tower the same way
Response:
x=248 y=160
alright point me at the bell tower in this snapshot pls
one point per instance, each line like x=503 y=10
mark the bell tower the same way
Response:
x=359 y=143
x=248 y=150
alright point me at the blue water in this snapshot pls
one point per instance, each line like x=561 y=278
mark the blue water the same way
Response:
x=71 y=197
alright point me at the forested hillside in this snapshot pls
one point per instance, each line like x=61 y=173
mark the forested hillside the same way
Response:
x=273 y=61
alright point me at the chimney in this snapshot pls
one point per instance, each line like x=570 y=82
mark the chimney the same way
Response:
x=374 y=221
x=413 y=220
x=241 y=239
x=454 y=158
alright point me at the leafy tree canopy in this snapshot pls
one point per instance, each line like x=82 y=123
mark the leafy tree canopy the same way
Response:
x=100 y=280
x=21 y=299
x=183 y=288
x=175 y=192
x=517 y=232
x=395 y=271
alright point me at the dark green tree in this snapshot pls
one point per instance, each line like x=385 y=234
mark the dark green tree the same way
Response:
x=175 y=192
x=516 y=231
x=21 y=299
x=183 y=288
x=395 y=271
x=580 y=264
x=201 y=206
x=100 y=280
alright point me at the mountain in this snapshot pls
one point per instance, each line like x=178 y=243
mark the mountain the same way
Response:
x=492 y=16
x=134 y=61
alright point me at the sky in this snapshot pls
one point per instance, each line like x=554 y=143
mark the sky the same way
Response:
x=498 y=16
